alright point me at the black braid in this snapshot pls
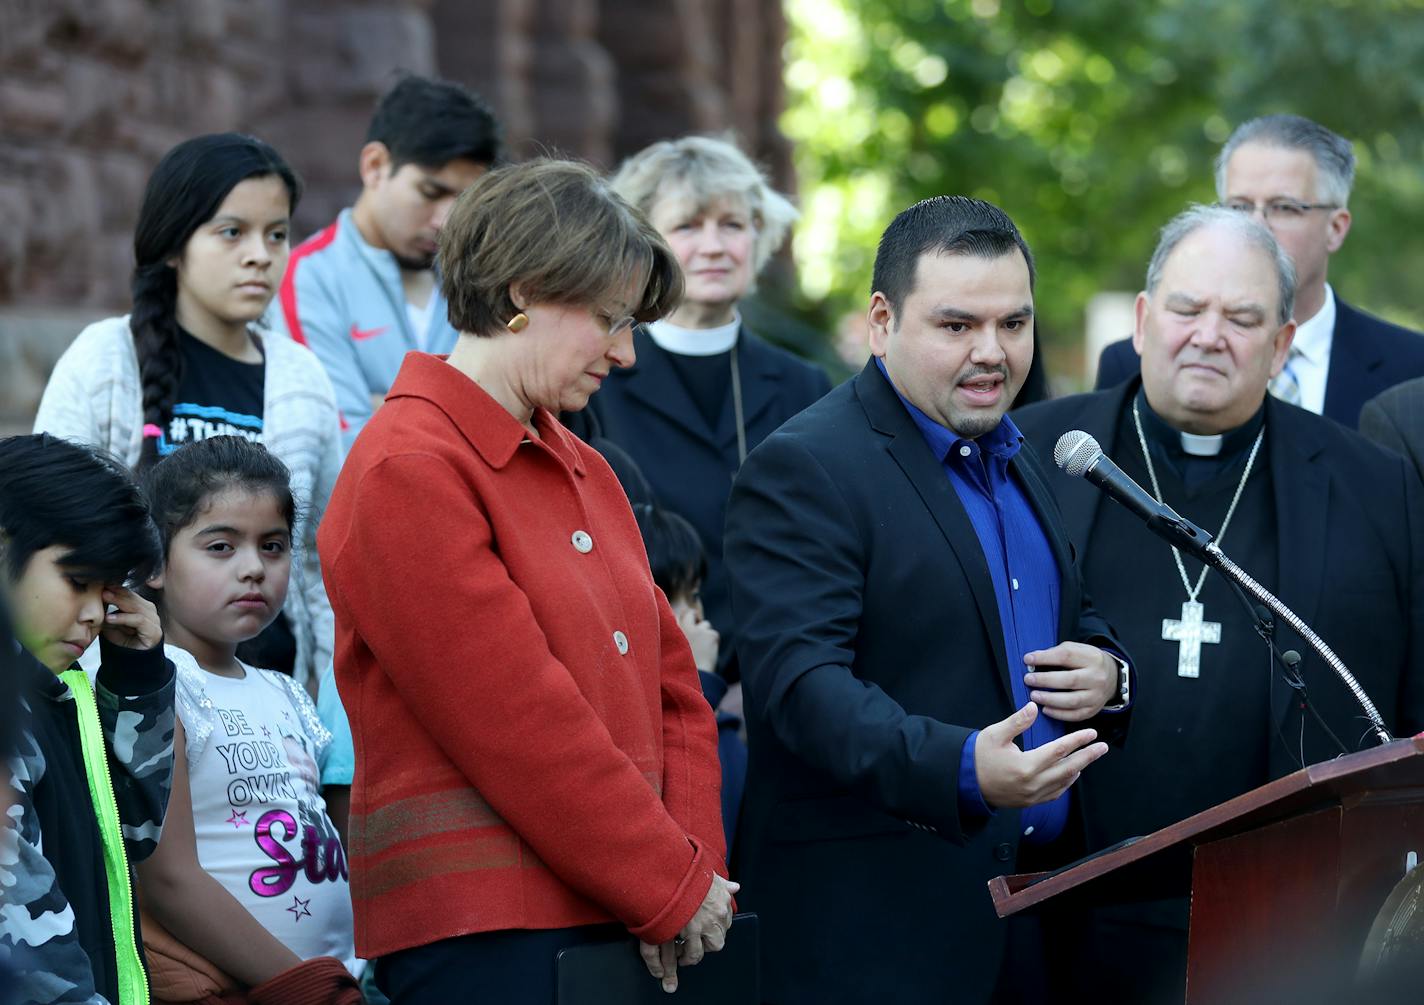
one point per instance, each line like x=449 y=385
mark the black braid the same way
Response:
x=156 y=339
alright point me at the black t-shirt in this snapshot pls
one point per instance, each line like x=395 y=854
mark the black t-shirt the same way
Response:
x=222 y=396
x=218 y=396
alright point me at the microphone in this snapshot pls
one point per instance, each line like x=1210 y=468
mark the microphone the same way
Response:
x=1079 y=455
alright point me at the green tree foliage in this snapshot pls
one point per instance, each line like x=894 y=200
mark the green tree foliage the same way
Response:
x=1092 y=122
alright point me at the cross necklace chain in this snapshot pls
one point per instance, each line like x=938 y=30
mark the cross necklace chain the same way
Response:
x=1193 y=629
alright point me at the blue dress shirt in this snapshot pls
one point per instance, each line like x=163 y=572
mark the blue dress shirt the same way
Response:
x=1026 y=585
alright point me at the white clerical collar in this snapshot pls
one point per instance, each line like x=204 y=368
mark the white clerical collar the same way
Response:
x=695 y=341
x=1195 y=444
x=1313 y=337
x=1201 y=446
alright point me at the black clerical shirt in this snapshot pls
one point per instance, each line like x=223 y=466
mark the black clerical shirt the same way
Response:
x=708 y=380
x=1194 y=741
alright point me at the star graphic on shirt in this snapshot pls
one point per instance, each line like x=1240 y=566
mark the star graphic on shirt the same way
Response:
x=299 y=908
x=266 y=732
x=238 y=818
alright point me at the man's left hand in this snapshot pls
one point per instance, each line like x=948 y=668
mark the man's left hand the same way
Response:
x=1072 y=681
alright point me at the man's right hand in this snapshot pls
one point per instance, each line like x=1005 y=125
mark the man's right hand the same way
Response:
x=1010 y=777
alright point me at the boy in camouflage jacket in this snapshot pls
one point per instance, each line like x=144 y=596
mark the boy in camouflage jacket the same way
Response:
x=93 y=762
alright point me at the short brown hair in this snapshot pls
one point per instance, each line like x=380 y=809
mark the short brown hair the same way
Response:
x=559 y=230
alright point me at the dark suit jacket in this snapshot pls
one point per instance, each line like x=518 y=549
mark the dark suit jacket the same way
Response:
x=1367 y=355
x=1395 y=419
x=870 y=648
x=1351 y=555
x=689 y=463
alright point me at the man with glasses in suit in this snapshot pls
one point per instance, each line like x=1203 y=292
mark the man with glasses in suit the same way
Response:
x=1296 y=175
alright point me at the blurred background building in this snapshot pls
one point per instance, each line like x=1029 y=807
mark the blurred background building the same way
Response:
x=94 y=92
x=1091 y=122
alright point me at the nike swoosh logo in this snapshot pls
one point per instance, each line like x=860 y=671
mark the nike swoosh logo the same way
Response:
x=360 y=334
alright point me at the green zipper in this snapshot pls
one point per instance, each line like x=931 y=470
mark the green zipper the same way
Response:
x=132 y=978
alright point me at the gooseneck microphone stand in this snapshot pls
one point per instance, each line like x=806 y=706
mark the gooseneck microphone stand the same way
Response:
x=1216 y=558
x=1079 y=455
x=1288 y=663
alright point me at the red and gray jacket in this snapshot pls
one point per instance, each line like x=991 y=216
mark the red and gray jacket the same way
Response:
x=343 y=298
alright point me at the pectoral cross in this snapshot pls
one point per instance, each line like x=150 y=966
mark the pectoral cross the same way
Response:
x=1191 y=632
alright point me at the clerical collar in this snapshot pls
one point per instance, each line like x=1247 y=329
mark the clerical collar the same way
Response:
x=695 y=341
x=1227 y=444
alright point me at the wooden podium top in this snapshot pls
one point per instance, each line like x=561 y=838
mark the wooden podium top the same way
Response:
x=1159 y=865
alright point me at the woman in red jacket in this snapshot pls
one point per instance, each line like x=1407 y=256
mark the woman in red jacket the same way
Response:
x=534 y=757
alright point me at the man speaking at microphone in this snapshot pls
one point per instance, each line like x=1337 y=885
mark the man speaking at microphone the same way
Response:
x=924 y=677
x=1324 y=519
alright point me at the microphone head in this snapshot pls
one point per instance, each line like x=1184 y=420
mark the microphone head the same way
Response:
x=1076 y=451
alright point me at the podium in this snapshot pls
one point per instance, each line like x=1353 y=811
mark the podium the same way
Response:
x=1291 y=874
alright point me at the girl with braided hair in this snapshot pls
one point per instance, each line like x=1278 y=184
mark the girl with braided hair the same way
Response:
x=191 y=361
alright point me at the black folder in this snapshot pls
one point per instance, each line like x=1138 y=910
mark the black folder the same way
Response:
x=612 y=973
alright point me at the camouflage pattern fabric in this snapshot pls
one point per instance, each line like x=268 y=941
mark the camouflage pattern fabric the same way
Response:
x=38 y=937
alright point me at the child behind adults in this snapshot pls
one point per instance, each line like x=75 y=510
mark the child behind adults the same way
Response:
x=250 y=875
x=93 y=760
x=679 y=565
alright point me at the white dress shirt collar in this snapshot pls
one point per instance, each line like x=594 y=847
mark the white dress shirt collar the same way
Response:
x=1310 y=354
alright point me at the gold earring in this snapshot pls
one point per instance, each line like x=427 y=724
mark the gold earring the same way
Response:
x=518 y=323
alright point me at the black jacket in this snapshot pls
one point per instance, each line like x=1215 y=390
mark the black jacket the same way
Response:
x=647 y=411
x=1395 y=419
x=870 y=648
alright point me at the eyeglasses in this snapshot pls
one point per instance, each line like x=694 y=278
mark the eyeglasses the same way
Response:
x=617 y=325
x=1279 y=210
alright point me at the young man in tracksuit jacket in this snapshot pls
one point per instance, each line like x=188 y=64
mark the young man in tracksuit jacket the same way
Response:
x=362 y=292
x=91 y=763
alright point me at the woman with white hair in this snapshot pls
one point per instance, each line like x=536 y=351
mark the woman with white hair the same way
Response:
x=705 y=390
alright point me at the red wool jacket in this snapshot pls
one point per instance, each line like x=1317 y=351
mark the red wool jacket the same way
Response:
x=532 y=746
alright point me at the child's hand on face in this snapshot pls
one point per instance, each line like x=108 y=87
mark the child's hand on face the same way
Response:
x=135 y=624
x=701 y=636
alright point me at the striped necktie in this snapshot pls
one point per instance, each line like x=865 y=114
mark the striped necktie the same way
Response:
x=1286 y=385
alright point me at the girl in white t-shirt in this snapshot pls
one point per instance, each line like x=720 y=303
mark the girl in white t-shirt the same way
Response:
x=249 y=873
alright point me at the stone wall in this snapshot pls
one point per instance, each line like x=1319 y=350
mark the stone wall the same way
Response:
x=92 y=92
